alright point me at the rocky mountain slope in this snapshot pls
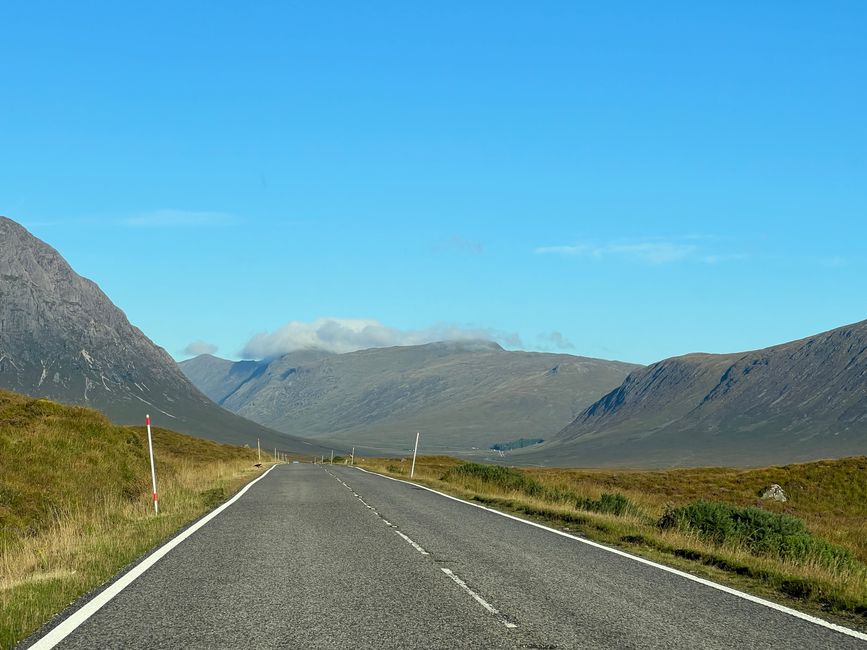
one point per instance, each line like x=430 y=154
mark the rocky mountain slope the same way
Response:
x=62 y=338
x=793 y=402
x=460 y=395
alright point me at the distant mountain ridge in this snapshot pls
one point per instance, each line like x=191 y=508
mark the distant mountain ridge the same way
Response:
x=62 y=338
x=798 y=401
x=459 y=394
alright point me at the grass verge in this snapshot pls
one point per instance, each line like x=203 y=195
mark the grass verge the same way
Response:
x=809 y=552
x=75 y=501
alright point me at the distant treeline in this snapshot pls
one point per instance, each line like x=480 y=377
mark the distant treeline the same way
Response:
x=516 y=444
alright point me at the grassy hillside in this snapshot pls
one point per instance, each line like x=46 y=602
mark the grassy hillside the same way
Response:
x=790 y=403
x=461 y=395
x=810 y=551
x=75 y=502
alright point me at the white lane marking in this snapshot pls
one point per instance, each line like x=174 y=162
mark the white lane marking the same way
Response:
x=707 y=583
x=421 y=550
x=493 y=610
x=90 y=608
x=412 y=543
x=384 y=520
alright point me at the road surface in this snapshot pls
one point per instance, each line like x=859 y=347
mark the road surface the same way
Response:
x=332 y=557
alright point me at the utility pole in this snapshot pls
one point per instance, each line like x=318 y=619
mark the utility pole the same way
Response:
x=414 y=452
x=332 y=456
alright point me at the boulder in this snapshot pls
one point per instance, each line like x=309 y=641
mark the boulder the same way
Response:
x=775 y=492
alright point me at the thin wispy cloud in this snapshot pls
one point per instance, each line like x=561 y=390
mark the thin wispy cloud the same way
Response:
x=342 y=335
x=577 y=249
x=833 y=262
x=555 y=341
x=648 y=251
x=200 y=347
x=178 y=218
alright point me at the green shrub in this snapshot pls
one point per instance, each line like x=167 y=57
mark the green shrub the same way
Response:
x=560 y=495
x=615 y=504
x=759 y=531
x=505 y=478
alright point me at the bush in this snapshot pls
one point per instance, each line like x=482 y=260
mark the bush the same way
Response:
x=505 y=478
x=759 y=531
x=560 y=495
x=615 y=504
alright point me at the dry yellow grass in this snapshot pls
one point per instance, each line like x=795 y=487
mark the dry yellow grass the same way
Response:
x=75 y=502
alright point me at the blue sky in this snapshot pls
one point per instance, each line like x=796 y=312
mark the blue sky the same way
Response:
x=623 y=180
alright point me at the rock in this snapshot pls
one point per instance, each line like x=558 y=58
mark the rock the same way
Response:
x=775 y=492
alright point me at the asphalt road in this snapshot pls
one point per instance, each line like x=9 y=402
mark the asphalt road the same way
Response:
x=331 y=557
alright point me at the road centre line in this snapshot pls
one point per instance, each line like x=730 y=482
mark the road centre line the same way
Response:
x=493 y=610
x=412 y=543
x=463 y=585
x=734 y=592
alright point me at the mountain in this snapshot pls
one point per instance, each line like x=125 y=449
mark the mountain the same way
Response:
x=460 y=395
x=62 y=338
x=798 y=401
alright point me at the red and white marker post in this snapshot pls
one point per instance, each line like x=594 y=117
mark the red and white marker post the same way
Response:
x=153 y=467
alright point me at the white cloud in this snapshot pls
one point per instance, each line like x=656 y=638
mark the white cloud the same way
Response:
x=342 y=335
x=200 y=347
x=834 y=262
x=555 y=341
x=662 y=252
x=175 y=218
x=650 y=251
x=577 y=249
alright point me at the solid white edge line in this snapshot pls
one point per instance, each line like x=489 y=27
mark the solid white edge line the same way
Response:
x=734 y=592
x=67 y=626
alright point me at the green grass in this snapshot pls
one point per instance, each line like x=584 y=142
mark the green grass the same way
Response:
x=760 y=532
x=504 y=478
x=809 y=552
x=75 y=501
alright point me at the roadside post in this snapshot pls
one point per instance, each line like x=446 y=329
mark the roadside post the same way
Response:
x=259 y=449
x=414 y=452
x=332 y=456
x=352 y=458
x=153 y=467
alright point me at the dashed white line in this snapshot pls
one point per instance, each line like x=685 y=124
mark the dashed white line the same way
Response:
x=412 y=543
x=484 y=603
x=463 y=585
x=708 y=583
